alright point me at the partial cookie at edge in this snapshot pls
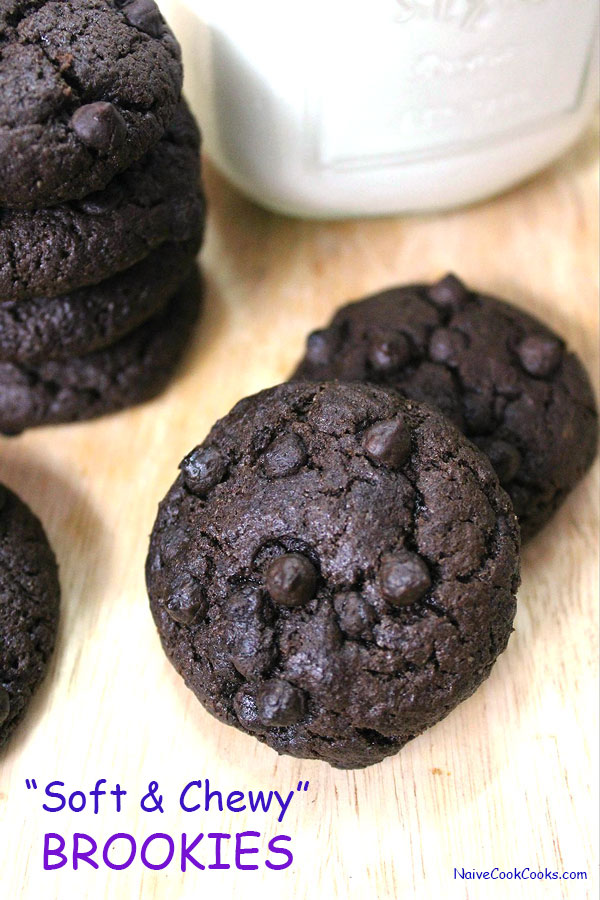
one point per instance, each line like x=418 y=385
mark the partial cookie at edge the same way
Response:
x=29 y=608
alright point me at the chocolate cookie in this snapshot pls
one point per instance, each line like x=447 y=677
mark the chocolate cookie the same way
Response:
x=133 y=370
x=159 y=199
x=86 y=88
x=29 y=598
x=504 y=379
x=334 y=570
x=91 y=318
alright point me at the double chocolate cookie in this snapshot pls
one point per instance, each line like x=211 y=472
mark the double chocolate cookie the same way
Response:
x=158 y=200
x=88 y=86
x=130 y=371
x=334 y=570
x=91 y=318
x=29 y=600
x=505 y=379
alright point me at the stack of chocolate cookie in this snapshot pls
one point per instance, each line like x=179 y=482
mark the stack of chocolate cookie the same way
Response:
x=101 y=208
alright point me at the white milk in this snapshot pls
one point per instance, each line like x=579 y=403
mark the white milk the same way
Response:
x=337 y=108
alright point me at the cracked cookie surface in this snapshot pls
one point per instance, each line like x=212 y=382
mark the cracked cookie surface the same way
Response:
x=87 y=87
x=132 y=370
x=333 y=570
x=29 y=602
x=159 y=199
x=506 y=380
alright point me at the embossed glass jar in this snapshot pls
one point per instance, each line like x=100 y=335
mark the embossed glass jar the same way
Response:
x=380 y=106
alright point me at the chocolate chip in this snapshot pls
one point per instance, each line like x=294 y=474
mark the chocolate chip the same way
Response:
x=4 y=705
x=355 y=615
x=244 y=705
x=390 y=634
x=144 y=15
x=539 y=355
x=291 y=579
x=403 y=578
x=252 y=649
x=504 y=457
x=244 y=603
x=186 y=603
x=387 y=355
x=388 y=442
x=100 y=126
x=249 y=602
x=284 y=456
x=203 y=469
x=172 y=542
x=279 y=703
x=319 y=347
x=446 y=345
x=449 y=292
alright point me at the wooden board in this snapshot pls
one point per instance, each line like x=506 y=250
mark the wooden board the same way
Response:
x=507 y=780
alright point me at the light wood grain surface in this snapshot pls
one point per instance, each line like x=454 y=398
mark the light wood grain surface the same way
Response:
x=507 y=780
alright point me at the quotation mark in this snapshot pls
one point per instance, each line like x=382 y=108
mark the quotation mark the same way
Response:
x=300 y=788
x=31 y=784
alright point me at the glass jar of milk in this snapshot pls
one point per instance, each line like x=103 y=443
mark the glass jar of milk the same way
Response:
x=334 y=108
